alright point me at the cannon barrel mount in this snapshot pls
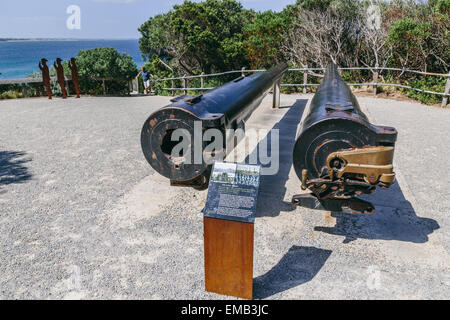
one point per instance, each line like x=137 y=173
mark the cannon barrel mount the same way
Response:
x=338 y=153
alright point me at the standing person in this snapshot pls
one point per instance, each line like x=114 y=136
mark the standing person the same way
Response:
x=60 y=75
x=45 y=76
x=146 y=78
x=74 y=69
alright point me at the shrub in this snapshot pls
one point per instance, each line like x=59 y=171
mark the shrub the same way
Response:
x=426 y=83
x=11 y=94
x=104 y=63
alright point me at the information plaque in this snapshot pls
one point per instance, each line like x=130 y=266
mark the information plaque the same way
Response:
x=228 y=224
x=233 y=191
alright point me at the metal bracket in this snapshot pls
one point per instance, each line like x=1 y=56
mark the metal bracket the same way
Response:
x=375 y=163
x=199 y=183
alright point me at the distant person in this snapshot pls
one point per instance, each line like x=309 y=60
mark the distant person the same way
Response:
x=60 y=76
x=74 y=69
x=45 y=76
x=146 y=79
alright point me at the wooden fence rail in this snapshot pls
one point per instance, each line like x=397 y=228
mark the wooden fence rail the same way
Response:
x=24 y=81
x=375 y=71
x=133 y=84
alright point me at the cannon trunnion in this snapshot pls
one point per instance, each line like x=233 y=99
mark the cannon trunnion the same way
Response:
x=223 y=108
x=339 y=154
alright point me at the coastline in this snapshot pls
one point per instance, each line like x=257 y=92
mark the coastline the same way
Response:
x=19 y=57
x=63 y=39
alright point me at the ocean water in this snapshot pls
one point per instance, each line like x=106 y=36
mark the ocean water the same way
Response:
x=20 y=58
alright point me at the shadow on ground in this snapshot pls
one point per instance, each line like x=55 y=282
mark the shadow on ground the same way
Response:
x=298 y=265
x=12 y=167
x=272 y=187
x=394 y=219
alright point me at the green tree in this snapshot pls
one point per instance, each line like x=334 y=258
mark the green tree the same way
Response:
x=314 y=4
x=263 y=38
x=205 y=36
x=420 y=34
x=104 y=63
x=410 y=41
x=156 y=37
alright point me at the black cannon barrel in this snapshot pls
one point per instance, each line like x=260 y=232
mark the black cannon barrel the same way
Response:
x=338 y=152
x=225 y=107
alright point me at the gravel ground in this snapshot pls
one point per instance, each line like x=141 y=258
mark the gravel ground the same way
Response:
x=83 y=216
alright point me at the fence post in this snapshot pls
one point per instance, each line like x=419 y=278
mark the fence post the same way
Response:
x=184 y=85
x=134 y=87
x=276 y=95
x=67 y=87
x=374 y=81
x=305 y=80
x=243 y=72
x=202 y=80
x=173 y=86
x=446 y=91
x=104 y=87
x=24 y=90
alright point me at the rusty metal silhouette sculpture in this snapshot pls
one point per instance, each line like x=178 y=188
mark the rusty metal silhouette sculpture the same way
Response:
x=45 y=76
x=60 y=76
x=74 y=69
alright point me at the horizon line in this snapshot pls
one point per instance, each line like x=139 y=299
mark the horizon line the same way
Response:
x=57 y=38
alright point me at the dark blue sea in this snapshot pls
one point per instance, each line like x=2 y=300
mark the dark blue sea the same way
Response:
x=20 y=58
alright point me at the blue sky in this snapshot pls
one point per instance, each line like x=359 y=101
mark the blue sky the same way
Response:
x=111 y=19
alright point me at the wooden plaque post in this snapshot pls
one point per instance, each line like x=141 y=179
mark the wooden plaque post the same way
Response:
x=228 y=223
x=228 y=257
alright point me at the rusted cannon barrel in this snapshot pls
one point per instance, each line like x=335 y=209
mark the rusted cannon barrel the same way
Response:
x=225 y=107
x=339 y=154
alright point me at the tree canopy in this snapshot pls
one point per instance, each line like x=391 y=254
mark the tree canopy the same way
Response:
x=220 y=35
x=206 y=36
x=105 y=63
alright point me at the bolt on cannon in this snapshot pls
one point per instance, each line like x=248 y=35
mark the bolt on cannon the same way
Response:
x=338 y=153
